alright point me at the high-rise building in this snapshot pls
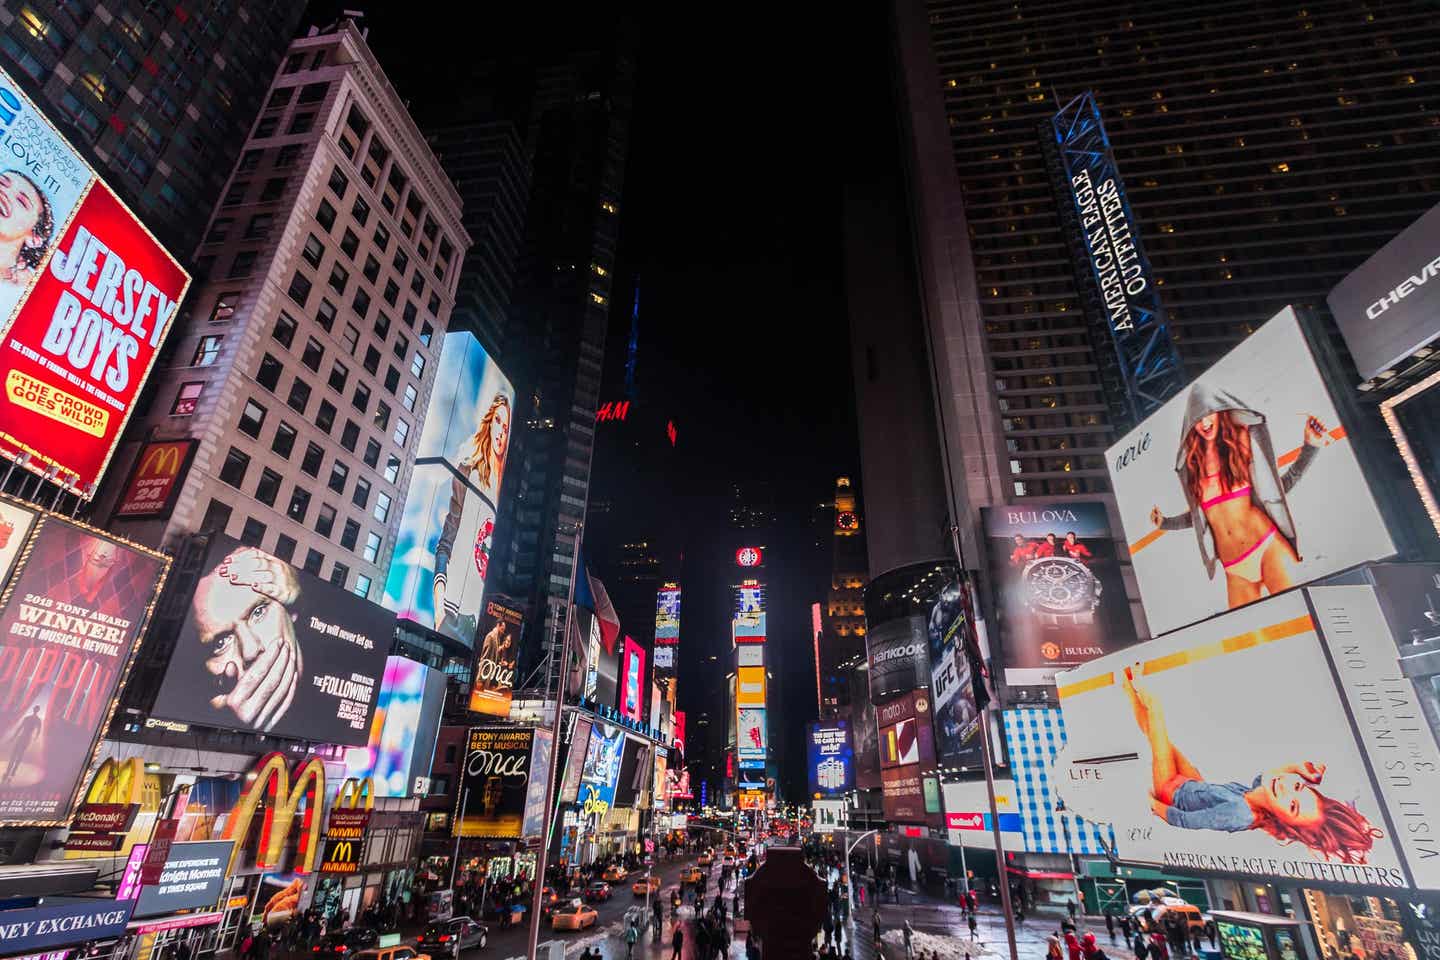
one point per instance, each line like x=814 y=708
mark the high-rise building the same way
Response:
x=487 y=163
x=843 y=638
x=158 y=96
x=326 y=279
x=1265 y=150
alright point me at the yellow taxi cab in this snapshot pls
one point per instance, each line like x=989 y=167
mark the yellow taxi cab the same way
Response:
x=575 y=915
x=614 y=874
x=691 y=875
x=397 y=952
x=645 y=885
x=705 y=859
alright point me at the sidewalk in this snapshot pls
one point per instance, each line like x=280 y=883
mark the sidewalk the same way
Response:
x=941 y=931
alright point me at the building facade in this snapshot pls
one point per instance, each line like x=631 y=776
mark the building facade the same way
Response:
x=159 y=96
x=326 y=279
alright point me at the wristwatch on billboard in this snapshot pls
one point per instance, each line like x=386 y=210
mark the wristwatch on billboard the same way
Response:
x=1061 y=591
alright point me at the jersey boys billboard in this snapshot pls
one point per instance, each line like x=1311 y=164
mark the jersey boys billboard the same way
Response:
x=87 y=297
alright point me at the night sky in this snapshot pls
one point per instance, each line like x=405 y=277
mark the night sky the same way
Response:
x=743 y=133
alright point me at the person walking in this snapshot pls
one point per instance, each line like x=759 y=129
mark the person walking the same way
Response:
x=970 y=917
x=677 y=940
x=1110 y=924
x=1070 y=909
x=876 y=928
x=908 y=933
x=631 y=935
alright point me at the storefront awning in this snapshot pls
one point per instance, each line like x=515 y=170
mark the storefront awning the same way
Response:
x=1039 y=874
x=47 y=879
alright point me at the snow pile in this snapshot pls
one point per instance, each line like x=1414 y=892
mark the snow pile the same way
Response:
x=938 y=946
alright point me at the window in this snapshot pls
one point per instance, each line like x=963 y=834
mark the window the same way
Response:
x=433 y=305
x=351 y=339
x=187 y=398
x=401 y=261
x=299 y=396
x=242 y=265
x=294 y=63
x=313 y=92
x=301 y=123
x=339 y=476
x=252 y=418
x=325 y=416
x=284 y=441
x=417 y=365
x=350 y=436
x=339 y=183
x=233 y=470
x=361 y=400
x=339 y=373
x=382 y=507
x=392 y=292
x=249 y=160
x=325 y=314
x=299 y=505
x=409 y=314
x=402 y=432
x=392 y=468
x=351 y=535
x=382 y=236
x=372 y=268
x=392 y=379
x=382 y=326
x=417 y=284
x=372 y=453
x=284 y=547
x=361 y=496
x=207 y=351
x=362 y=586
x=371 y=553
x=382 y=415
x=339 y=573
x=299 y=288
x=284 y=333
x=268 y=488
x=274 y=187
x=325 y=520
x=314 y=560
x=314 y=456
x=235 y=195
x=339 y=277
x=372 y=359
x=361 y=302
x=313 y=354
x=350 y=243
x=314 y=251
x=287 y=156
x=361 y=211
x=427 y=333
x=411 y=395
x=325 y=214
x=220 y=229
x=217 y=517
x=259 y=226
x=268 y=376
x=252 y=533
x=280 y=97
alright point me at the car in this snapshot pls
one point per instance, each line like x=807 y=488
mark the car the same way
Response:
x=451 y=936
x=345 y=943
x=691 y=875
x=615 y=874
x=575 y=915
x=729 y=861
x=397 y=952
x=597 y=891
x=645 y=886
x=705 y=859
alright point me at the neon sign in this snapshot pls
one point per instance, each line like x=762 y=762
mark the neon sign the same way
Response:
x=749 y=556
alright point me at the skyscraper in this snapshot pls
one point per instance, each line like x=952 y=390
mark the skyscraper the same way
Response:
x=159 y=96
x=1266 y=151
x=844 y=635
x=325 y=282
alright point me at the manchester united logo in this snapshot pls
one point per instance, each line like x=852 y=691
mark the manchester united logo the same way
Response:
x=1050 y=651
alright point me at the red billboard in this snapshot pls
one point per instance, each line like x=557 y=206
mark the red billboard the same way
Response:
x=632 y=685
x=76 y=610
x=86 y=298
x=156 y=479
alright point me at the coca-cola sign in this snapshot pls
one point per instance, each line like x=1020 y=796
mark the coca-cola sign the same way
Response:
x=491 y=800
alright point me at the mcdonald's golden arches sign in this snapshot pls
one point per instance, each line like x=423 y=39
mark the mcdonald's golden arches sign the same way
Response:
x=156 y=479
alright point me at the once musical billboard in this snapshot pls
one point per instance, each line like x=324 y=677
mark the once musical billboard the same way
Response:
x=87 y=296
x=77 y=607
x=442 y=553
x=495 y=784
x=1229 y=492
x=492 y=690
x=267 y=648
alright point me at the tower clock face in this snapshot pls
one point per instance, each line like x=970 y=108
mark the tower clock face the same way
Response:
x=749 y=556
x=846 y=521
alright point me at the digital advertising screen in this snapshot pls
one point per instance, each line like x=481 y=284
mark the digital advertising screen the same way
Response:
x=750 y=686
x=635 y=766
x=1061 y=598
x=829 y=761
x=750 y=597
x=155 y=480
x=667 y=614
x=601 y=772
x=679 y=725
x=533 y=824
x=907 y=751
x=749 y=627
x=1228 y=492
x=632 y=682
x=952 y=626
x=501 y=629
x=192 y=878
x=495 y=783
x=575 y=760
x=752 y=741
x=899 y=654
x=16 y=522
x=442 y=553
x=87 y=296
x=864 y=732
x=1297 y=801
x=78 y=604
x=403 y=731
x=268 y=648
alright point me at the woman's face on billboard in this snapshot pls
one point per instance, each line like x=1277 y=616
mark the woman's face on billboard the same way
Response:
x=20 y=207
x=500 y=431
x=1291 y=798
x=1206 y=426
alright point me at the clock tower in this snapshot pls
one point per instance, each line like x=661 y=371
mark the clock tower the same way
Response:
x=844 y=625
